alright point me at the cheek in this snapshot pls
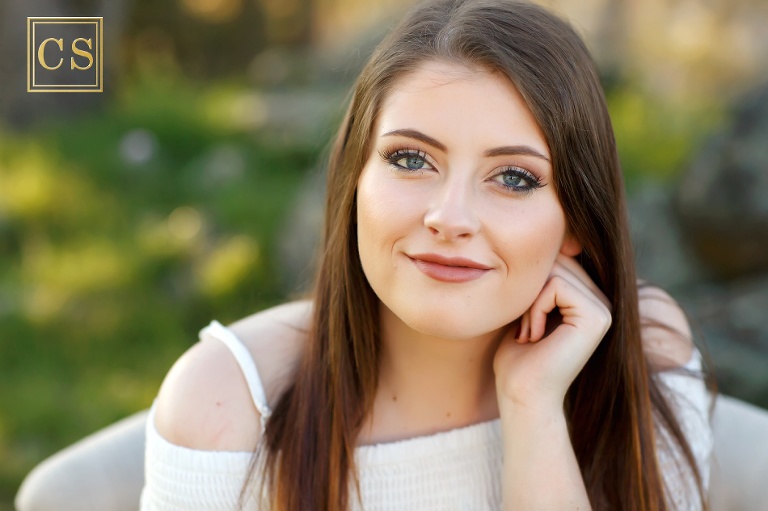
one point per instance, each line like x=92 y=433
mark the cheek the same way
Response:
x=371 y=212
x=385 y=208
x=530 y=245
x=376 y=224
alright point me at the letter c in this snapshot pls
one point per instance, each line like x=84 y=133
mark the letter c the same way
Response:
x=41 y=52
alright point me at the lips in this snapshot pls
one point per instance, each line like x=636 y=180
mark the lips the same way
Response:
x=449 y=269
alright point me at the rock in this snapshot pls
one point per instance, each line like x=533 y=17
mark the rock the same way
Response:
x=728 y=320
x=727 y=317
x=661 y=255
x=723 y=197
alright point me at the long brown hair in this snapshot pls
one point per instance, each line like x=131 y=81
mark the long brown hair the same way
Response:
x=308 y=446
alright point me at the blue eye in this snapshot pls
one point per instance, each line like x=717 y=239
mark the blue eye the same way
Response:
x=409 y=160
x=513 y=180
x=412 y=162
x=518 y=180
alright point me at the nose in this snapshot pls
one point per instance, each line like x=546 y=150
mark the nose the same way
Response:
x=451 y=216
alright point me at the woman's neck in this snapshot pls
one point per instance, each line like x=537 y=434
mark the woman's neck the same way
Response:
x=429 y=384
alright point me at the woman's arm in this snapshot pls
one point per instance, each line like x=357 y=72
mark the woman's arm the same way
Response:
x=666 y=334
x=204 y=424
x=540 y=467
x=532 y=377
x=204 y=402
x=671 y=354
x=540 y=470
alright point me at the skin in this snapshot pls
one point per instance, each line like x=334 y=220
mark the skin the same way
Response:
x=453 y=354
x=446 y=195
x=455 y=204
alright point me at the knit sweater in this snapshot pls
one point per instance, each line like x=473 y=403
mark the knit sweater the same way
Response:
x=458 y=469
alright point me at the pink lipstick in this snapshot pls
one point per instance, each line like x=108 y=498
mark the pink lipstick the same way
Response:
x=449 y=269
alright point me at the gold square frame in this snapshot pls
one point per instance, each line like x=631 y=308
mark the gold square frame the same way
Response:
x=99 y=58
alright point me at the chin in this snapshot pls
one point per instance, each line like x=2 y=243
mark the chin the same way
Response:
x=449 y=324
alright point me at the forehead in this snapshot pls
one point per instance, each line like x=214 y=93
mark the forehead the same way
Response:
x=455 y=102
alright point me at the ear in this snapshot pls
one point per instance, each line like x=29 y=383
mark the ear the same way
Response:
x=571 y=246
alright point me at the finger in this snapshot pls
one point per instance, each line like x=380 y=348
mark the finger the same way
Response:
x=570 y=269
x=524 y=328
x=590 y=292
x=577 y=274
x=544 y=304
x=575 y=306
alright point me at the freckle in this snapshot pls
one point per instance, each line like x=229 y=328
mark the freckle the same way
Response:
x=394 y=398
x=448 y=414
x=218 y=403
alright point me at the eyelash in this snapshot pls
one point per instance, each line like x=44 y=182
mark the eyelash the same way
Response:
x=534 y=182
x=392 y=156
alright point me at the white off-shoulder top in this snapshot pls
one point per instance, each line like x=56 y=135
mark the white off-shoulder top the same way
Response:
x=458 y=469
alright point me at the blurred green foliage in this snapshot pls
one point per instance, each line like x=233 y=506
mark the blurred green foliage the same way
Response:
x=656 y=137
x=124 y=233
x=121 y=235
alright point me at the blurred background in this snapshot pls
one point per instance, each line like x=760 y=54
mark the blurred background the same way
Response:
x=191 y=188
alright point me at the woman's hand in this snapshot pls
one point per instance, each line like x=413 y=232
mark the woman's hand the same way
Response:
x=537 y=362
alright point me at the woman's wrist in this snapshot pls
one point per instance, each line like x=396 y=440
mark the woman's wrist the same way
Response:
x=540 y=468
x=540 y=411
x=521 y=399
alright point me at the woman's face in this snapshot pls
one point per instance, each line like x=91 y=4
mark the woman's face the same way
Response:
x=458 y=221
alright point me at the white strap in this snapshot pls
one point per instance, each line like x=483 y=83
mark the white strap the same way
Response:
x=245 y=361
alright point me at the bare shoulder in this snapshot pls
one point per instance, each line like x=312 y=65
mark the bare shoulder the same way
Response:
x=204 y=402
x=666 y=334
x=276 y=338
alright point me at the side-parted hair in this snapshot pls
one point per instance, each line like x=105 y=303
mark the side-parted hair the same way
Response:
x=614 y=406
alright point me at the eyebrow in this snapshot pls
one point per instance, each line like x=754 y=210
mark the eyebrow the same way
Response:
x=415 y=134
x=496 y=151
x=515 y=149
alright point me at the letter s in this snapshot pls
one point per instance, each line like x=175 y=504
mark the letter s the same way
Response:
x=81 y=53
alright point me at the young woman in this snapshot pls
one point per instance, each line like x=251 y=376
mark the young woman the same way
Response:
x=473 y=339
